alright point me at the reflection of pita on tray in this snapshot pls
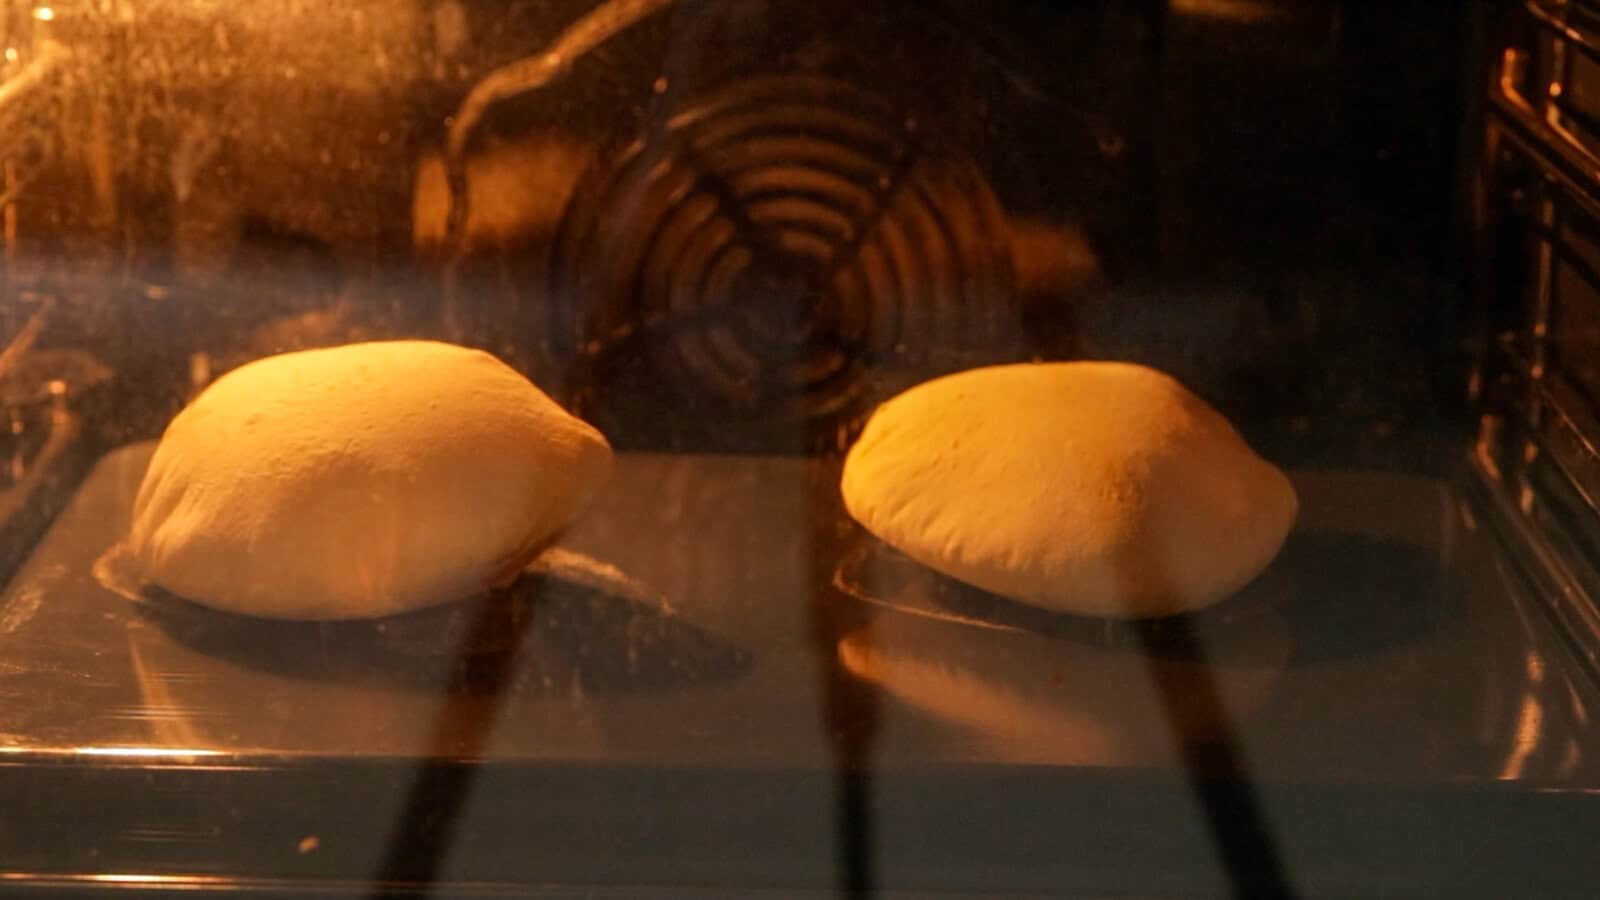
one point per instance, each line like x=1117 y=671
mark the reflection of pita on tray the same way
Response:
x=1244 y=629
x=577 y=625
x=1366 y=573
x=1030 y=685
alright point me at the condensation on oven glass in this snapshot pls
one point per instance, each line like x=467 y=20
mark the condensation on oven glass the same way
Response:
x=1361 y=491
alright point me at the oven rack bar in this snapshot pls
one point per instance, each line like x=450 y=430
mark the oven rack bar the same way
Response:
x=1552 y=82
x=1538 y=466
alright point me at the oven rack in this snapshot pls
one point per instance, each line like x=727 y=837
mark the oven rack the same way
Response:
x=1550 y=77
x=1537 y=452
x=1538 y=468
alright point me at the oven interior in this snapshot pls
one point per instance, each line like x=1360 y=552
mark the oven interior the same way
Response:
x=724 y=231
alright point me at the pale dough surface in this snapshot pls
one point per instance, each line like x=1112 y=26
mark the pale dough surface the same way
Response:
x=360 y=481
x=1096 y=488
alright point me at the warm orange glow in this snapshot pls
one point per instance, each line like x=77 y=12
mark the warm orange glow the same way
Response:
x=1246 y=11
x=129 y=878
x=44 y=13
x=146 y=752
x=1530 y=728
x=1530 y=721
x=123 y=752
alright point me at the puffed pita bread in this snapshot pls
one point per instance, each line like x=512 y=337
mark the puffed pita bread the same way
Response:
x=360 y=481
x=1095 y=488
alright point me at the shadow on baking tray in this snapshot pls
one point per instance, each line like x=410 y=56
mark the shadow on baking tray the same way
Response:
x=1329 y=596
x=543 y=635
x=1030 y=686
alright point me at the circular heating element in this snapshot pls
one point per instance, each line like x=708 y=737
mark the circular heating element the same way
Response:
x=768 y=247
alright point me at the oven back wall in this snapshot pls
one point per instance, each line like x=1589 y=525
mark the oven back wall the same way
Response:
x=1257 y=197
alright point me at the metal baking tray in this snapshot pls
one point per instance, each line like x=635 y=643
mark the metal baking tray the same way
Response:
x=703 y=726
